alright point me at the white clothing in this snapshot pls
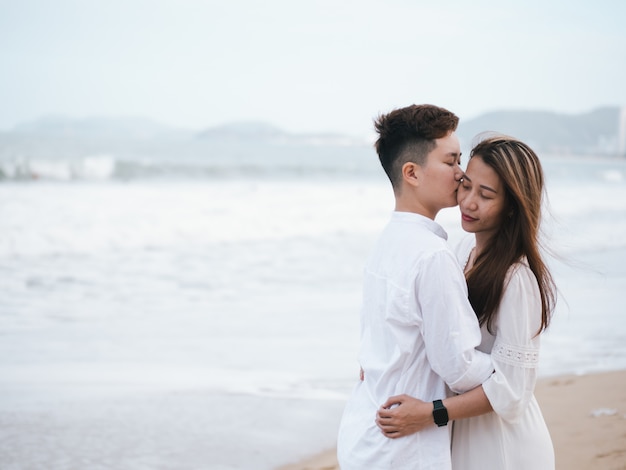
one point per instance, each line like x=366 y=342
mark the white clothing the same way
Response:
x=514 y=436
x=418 y=333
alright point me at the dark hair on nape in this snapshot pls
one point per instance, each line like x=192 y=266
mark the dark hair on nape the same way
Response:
x=409 y=134
x=518 y=237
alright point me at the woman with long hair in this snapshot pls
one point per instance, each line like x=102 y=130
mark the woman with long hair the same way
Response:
x=498 y=425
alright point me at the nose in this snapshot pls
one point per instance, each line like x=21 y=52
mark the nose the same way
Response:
x=467 y=201
x=459 y=173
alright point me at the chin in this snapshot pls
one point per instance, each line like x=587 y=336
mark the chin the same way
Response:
x=466 y=228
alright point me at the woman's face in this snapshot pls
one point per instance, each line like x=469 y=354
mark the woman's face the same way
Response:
x=481 y=198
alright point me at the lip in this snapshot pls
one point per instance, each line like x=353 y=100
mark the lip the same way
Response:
x=467 y=218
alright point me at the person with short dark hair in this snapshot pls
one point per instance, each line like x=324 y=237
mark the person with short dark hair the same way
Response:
x=418 y=329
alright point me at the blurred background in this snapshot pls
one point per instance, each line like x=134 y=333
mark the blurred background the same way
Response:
x=188 y=192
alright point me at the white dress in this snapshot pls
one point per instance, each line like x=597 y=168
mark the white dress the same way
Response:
x=514 y=436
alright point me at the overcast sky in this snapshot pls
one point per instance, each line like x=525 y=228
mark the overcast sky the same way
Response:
x=306 y=66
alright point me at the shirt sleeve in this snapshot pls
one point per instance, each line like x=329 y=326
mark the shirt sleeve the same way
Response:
x=463 y=249
x=450 y=327
x=515 y=353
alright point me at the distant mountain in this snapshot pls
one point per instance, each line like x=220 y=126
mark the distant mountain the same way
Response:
x=256 y=131
x=100 y=128
x=141 y=129
x=243 y=130
x=594 y=132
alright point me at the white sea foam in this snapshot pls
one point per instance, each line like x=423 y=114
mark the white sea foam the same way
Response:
x=613 y=176
x=92 y=167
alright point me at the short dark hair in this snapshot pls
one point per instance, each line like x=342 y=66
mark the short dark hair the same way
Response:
x=409 y=134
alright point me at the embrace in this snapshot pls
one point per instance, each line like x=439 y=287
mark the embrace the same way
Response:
x=450 y=340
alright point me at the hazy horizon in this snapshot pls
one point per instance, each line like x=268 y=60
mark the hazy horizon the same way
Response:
x=243 y=124
x=305 y=67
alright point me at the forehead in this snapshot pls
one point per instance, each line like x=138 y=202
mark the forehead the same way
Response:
x=448 y=145
x=481 y=173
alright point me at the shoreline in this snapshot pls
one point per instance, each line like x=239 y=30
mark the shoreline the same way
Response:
x=586 y=416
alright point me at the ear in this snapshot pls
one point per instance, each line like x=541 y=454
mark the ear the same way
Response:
x=412 y=173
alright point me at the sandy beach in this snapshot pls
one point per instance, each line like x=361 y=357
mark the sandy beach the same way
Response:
x=586 y=416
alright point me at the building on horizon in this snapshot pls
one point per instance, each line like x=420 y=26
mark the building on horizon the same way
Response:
x=621 y=134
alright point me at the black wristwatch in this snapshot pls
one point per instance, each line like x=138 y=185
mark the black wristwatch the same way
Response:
x=440 y=413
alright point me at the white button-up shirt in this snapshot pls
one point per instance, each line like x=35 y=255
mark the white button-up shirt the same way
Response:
x=418 y=334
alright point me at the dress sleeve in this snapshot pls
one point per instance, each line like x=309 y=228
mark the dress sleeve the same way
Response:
x=450 y=327
x=515 y=352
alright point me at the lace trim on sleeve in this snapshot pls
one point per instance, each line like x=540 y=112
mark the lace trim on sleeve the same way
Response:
x=515 y=355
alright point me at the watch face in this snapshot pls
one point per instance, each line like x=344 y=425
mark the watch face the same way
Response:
x=440 y=413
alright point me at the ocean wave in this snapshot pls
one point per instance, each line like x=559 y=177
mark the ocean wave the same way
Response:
x=612 y=176
x=246 y=163
x=104 y=167
x=97 y=167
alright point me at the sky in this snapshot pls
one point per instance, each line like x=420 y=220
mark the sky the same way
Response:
x=305 y=66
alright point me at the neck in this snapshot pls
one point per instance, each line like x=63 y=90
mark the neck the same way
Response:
x=403 y=205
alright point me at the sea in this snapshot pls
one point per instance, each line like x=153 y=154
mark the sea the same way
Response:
x=195 y=305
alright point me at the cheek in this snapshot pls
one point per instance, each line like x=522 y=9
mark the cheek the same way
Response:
x=461 y=194
x=497 y=216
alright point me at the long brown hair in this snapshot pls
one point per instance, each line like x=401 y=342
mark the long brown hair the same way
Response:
x=519 y=168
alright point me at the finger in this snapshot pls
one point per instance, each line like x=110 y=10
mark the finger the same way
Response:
x=384 y=414
x=383 y=423
x=387 y=428
x=392 y=435
x=397 y=400
x=385 y=418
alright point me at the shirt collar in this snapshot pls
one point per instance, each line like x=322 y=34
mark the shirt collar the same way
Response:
x=418 y=219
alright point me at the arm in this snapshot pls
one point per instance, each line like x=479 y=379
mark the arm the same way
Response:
x=510 y=387
x=449 y=328
x=403 y=415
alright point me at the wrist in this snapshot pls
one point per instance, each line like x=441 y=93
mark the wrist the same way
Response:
x=440 y=413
